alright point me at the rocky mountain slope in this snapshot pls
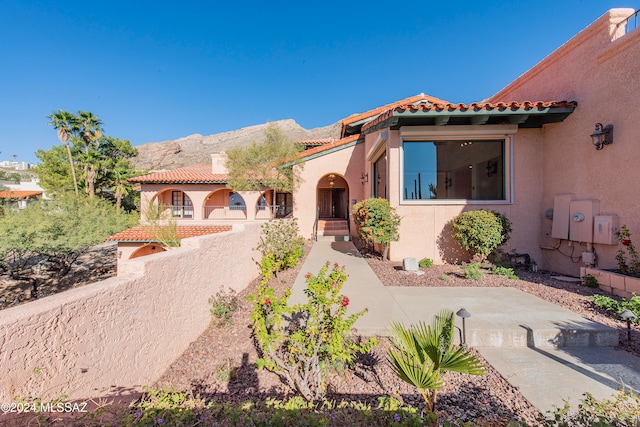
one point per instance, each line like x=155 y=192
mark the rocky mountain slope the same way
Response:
x=195 y=149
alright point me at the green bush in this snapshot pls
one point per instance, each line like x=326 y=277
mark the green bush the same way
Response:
x=504 y=271
x=615 y=307
x=303 y=341
x=223 y=304
x=481 y=231
x=281 y=244
x=622 y=410
x=425 y=263
x=472 y=271
x=590 y=281
x=377 y=222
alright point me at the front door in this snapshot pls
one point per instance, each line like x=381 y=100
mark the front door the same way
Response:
x=332 y=202
x=324 y=202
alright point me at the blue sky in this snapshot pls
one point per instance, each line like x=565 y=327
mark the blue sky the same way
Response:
x=157 y=70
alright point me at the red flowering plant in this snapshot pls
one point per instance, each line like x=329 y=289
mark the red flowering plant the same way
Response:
x=303 y=342
x=627 y=256
x=377 y=222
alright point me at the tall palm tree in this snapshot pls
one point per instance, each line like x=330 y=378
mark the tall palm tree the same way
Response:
x=90 y=131
x=421 y=354
x=65 y=123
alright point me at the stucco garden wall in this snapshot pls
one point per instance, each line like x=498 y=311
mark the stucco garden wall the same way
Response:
x=120 y=334
x=598 y=68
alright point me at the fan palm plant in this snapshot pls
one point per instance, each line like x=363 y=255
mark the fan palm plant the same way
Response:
x=421 y=354
x=66 y=125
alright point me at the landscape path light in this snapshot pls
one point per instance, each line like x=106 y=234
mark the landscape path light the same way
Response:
x=464 y=314
x=628 y=315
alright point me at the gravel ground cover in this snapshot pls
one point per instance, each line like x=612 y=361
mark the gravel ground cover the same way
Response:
x=221 y=363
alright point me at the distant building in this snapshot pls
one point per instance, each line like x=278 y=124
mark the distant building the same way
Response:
x=21 y=166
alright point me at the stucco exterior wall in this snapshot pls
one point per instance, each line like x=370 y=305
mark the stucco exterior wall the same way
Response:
x=120 y=334
x=599 y=69
x=425 y=229
x=346 y=163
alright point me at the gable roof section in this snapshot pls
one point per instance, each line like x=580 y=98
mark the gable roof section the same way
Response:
x=19 y=194
x=351 y=124
x=526 y=114
x=142 y=234
x=328 y=148
x=197 y=174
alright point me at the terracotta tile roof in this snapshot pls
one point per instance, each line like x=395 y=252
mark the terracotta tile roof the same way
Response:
x=474 y=107
x=326 y=147
x=407 y=101
x=142 y=234
x=197 y=174
x=19 y=194
x=316 y=142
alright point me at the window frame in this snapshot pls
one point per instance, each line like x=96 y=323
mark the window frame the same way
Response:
x=460 y=133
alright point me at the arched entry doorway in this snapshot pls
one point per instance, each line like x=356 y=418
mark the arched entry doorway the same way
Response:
x=333 y=197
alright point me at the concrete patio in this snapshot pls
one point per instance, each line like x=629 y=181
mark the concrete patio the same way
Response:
x=549 y=353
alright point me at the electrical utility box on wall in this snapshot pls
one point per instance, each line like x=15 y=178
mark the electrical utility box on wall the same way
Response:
x=560 y=226
x=581 y=214
x=604 y=229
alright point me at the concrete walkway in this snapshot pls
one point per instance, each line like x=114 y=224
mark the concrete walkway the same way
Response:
x=549 y=353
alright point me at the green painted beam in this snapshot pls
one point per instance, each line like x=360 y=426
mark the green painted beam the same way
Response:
x=479 y=119
x=442 y=120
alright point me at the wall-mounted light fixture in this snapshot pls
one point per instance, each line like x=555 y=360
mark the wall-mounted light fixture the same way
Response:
x=364 y=177
x=332 y=177
x=603 y=135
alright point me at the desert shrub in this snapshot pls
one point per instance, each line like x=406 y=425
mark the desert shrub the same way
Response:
x=472 y=271
x=223 y=304
x=615 y=307
x=425 y=263
x=280 y=244
x=504 y=271
x=481 y=231
x=622 y=410
x=377 y=222
x=590 y=281
x=301 y=342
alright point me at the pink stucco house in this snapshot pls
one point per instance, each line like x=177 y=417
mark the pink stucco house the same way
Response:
x=526 y=151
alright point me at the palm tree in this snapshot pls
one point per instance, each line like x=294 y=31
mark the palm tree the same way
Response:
x=65 y=123
x=90 y=131
x=422 y=354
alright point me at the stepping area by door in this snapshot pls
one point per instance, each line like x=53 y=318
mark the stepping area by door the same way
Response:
x=550 y=353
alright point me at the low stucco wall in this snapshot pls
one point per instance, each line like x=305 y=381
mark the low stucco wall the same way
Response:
x=114 y=336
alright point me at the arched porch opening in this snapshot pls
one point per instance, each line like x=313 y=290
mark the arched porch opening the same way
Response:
x=332 y=195
x=224 y=204
x=176 y=203
x=148 y=249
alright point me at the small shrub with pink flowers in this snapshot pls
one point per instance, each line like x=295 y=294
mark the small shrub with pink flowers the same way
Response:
x=301 y=343
x=627 y=256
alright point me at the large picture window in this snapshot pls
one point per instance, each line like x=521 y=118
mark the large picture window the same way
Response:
x=454 y=170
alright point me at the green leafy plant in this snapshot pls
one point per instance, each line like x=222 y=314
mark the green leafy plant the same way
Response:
x=444 y=277
x=472 y=271
x=590 y=281
x=421 y=354
x=622 y=410
x=224 y=303
x=377 y=222
x=504 y=271
x=614 y=307
x=425 y=263
x=280 y=245
x=301 y=342
x=627 y=256
x=481 y=231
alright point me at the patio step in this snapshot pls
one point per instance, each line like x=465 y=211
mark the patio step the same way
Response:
x=336 y=230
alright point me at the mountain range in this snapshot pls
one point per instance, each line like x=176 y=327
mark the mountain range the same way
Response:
x=196 y=149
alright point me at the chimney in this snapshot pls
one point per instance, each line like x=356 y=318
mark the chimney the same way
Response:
x=218 y=163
